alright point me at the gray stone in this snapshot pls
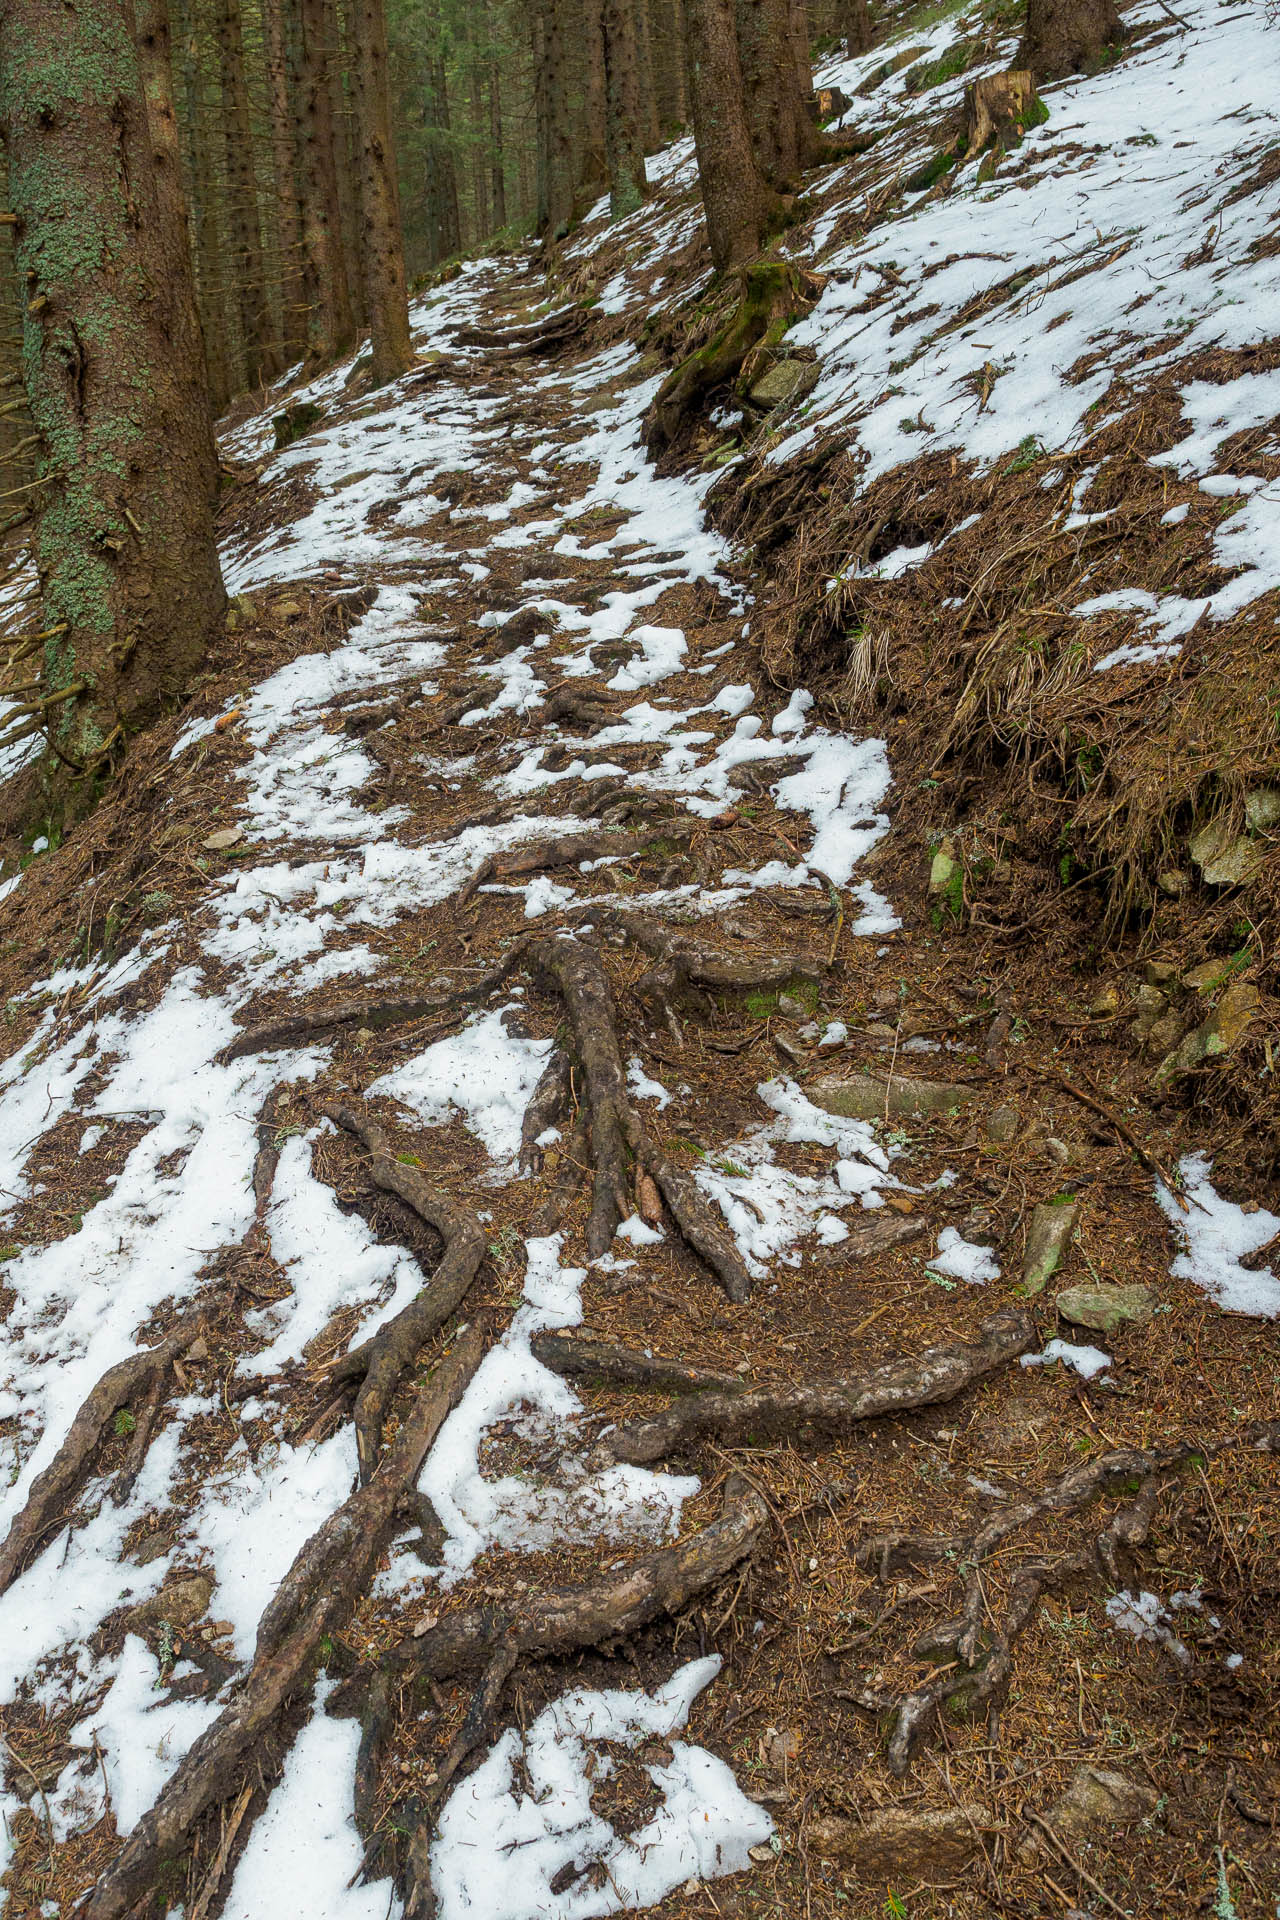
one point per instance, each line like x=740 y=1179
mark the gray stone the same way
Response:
x=1174 y=881
x=1225 y=859
x=1262 y=808
x=785 y=382
x=1052 y=1225
x=1098 y=1797
x=1221 y=1033
x=1002 y=1124
x=900 y=1842
x=1105 y=1003
x=182 y=1603
x=224 y=837
x=1161 y=973
x=869 y=1096
x=1104 y=1308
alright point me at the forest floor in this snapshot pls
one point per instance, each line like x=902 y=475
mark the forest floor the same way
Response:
x=770 y=1504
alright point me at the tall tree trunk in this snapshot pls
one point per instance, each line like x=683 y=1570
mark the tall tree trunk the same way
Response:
x=442 y=180
x=326 y=290
x=211 y=288
x=155 y=66
x=800 y=48
x=555 y=129
x=497 y=158
x=593 y=144
x=667 y=37
x=284 y=163
x=650 y=126
x=247 y=265
x=735 y=197
x=624 y=138
x=17 y=462
x=385 y=295
x=776 y=113
x=857 y=28
x=1068 y=36
x=346 y=154
x=124 y=540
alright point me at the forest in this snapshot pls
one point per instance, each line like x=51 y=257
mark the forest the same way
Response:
x=639 y=898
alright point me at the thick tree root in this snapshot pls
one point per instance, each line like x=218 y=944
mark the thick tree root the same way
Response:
x=381 y=1361
x=758 y=1414
x=566 y=1618
x=580 y=1357
x=703 y=966
x=550 y=1103
x=141 y=1374
x=313 y=1600
x=618 y=1139
x=546 y=856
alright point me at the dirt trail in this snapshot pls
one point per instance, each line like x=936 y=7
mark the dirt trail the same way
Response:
x=528 y=1323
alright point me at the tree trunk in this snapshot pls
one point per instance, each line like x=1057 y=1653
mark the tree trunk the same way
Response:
x=1068 y=36
x=248 y=268
x=800 y=48
x=124 y=541
x=155 y=64
x=284 y=162
x=555 y=132
x=346 y=153
x=385 y=294
x=593 y=164
x=210 y=273
x=776 y=113
x=667 y=37
x=624 y=138
x=442 y=183
x=857 y=28
x=326 y=291
x=650 y=125
x=497 y=159
x=735 y=198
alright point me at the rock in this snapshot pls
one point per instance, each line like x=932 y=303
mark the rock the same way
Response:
x=901 y=1842
x=1219 y=1034
x=287 y=609
x=1052 y=1225
x=1174 y=881
x=1002 y=1124
x=783 y=1748
x=1161 y=973
x=1166 y=1032
x=1262 y=808
x=1058 y=1150
x=869 y=1096
x=944 y=867
x=181 y=1603
x=295 y=421
x=225 y=837
x=785 y=382
x=1105 y=1003
x=1104 y=1308
x=791 y=1047
x=1208 y=975
x=1225 y=859
x=791 y=1007
x=1149 y=999
x=1097 y=1797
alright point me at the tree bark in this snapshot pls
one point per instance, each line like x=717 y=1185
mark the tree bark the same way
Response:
x=442 y=181
x=210 y=275
x=248 y=268
x=326 y=291
x=593 y=162
x=667 y=37
x=735 y=198
x=555 y=132
x=1068 y=36
x=650 y=126
x=284 y=164
x=124 y=541
x=624 y=109
x=385 y=293
x=857 y=28
x=777 y=116
x=346 y=150
x=497 y=158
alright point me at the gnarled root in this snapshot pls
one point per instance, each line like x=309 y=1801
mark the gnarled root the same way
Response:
x=549 y=1105
x=618 y=1138
x=578 y=1356
x=381 y=1361
x=980 y=1660
x=826 y=1406
x=314 y=1599
x=141 y=1374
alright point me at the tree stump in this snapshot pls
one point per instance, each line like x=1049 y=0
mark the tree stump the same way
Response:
x=998 y=110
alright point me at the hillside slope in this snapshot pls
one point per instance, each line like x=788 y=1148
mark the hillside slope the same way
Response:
x=637 y=1153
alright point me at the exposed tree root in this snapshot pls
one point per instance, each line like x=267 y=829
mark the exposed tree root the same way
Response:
x=311 y=1026
x=566 y=1618
x=550 y=1103
x=381 y=1361
x=583 y=1358
x=618 y=1138
x=545 y=856
x=834 y=1406
x=980 y=1657
x=142 y=1373
x=313 y=1599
